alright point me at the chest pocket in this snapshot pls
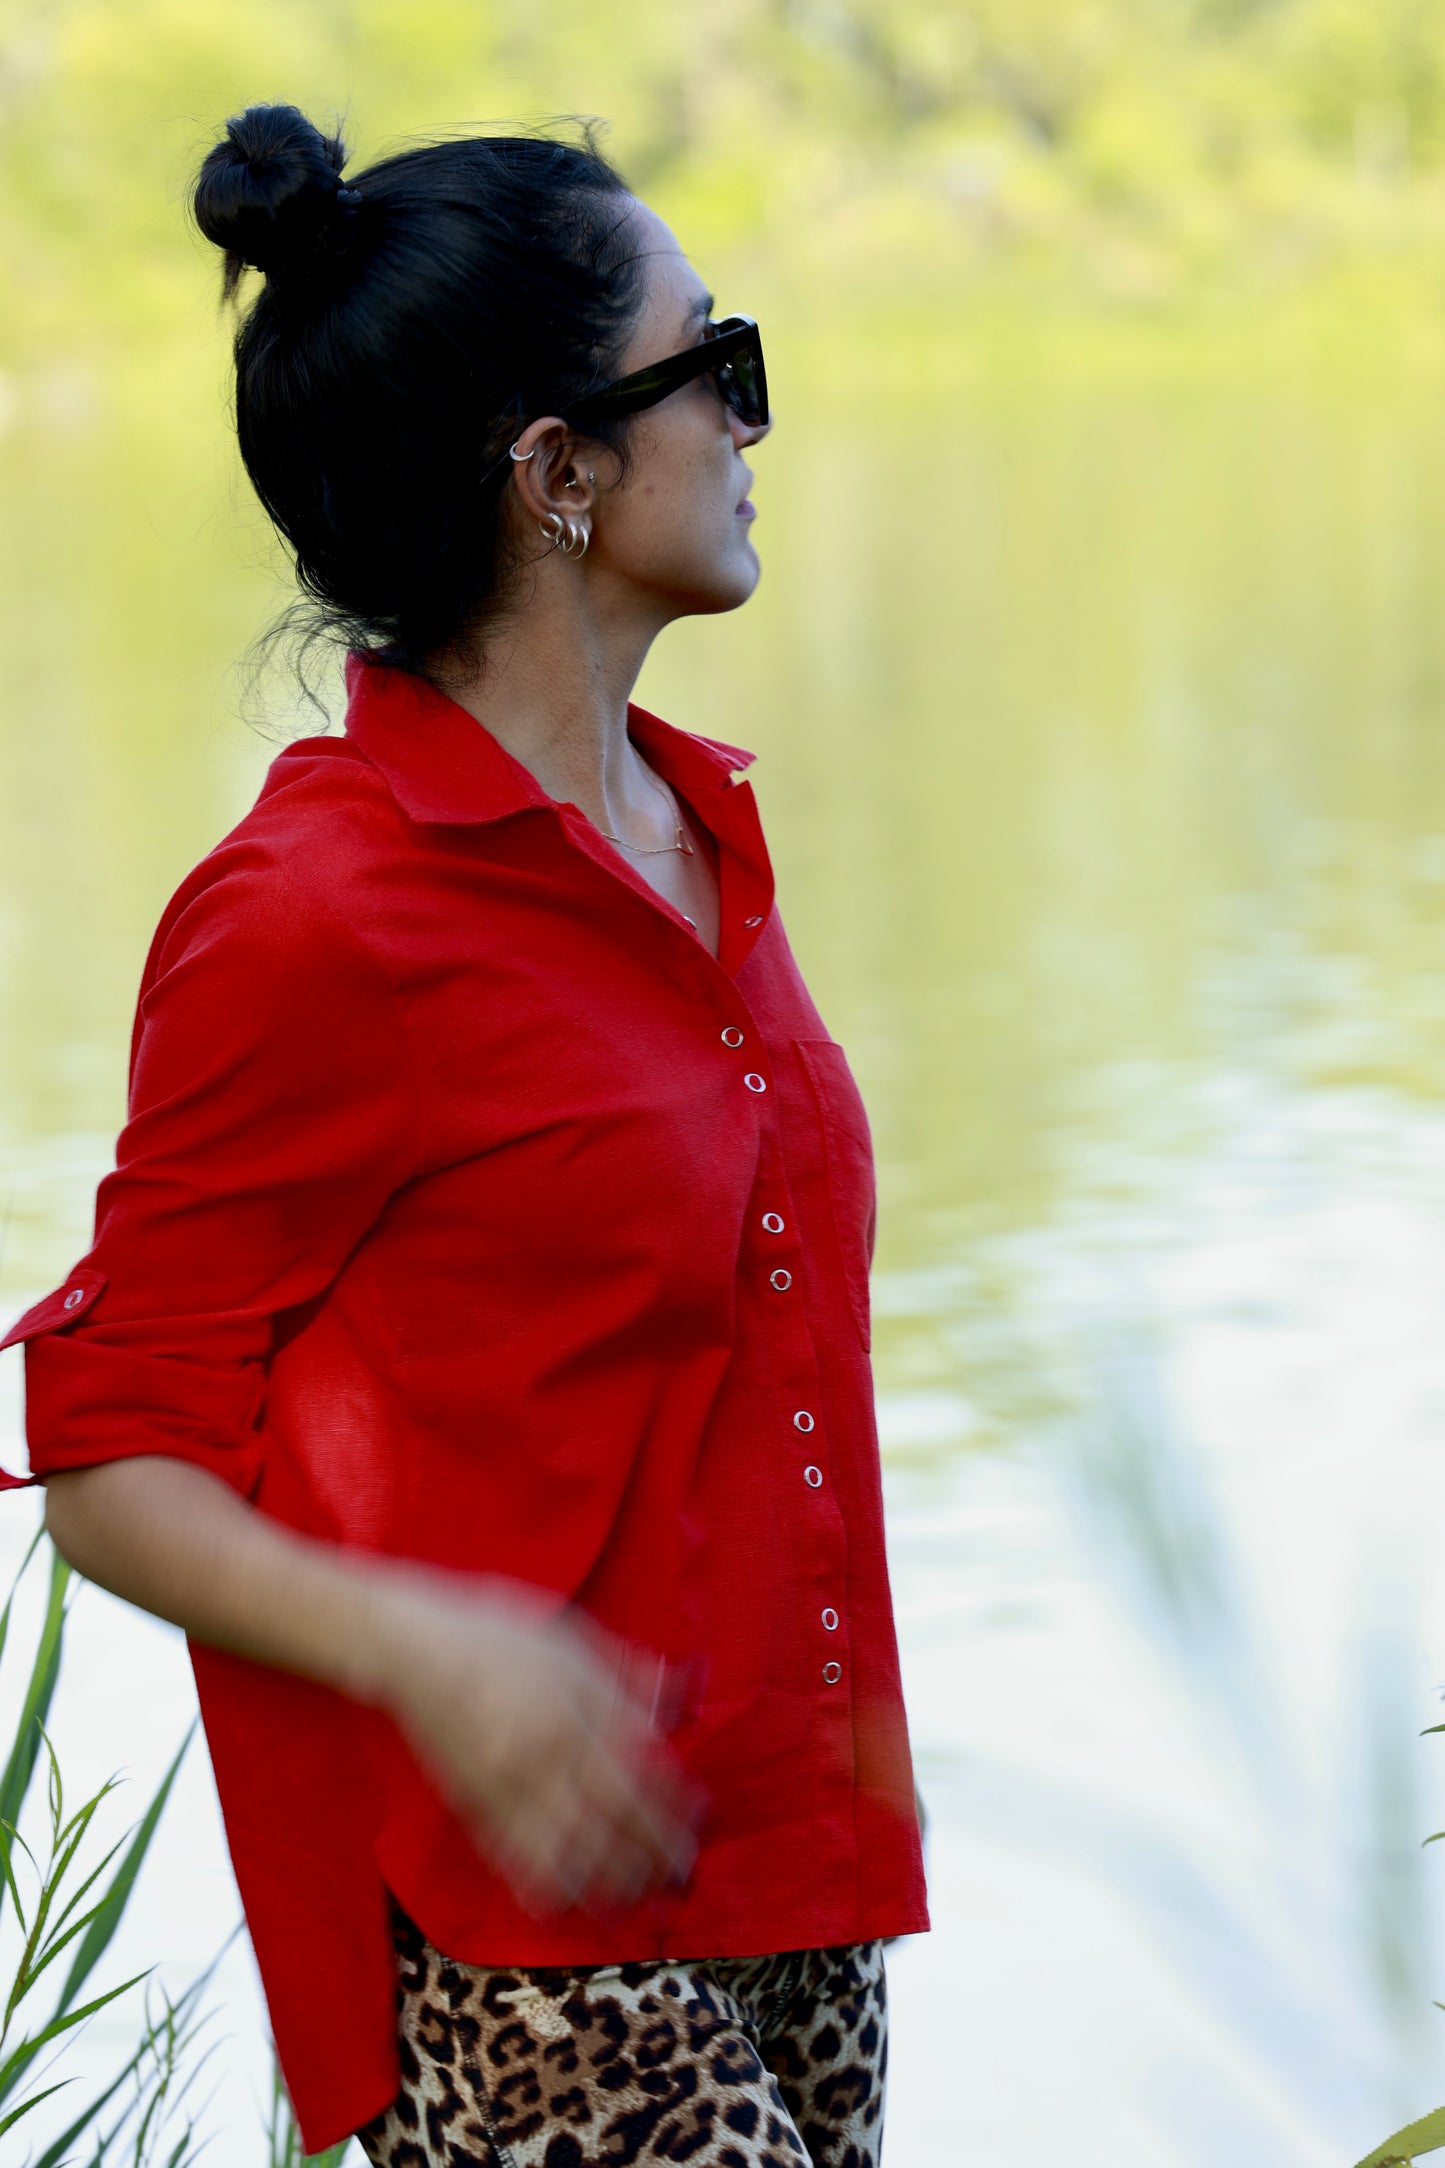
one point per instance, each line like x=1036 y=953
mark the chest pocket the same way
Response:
x=851 y=1191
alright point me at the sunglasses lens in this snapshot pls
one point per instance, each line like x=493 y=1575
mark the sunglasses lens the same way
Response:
x=737 y=380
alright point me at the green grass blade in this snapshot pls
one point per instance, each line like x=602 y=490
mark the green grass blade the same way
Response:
x=1426 y=2136
x=56 y=1943
x=8 y=2122
x=19 y=1768
x=112 y=1906
x=15 y=2065
x=58 y=2153
x=35 y=1542
x=73 y=1835
x=9 y=1838
x=64 y=1918
x=45 y=1940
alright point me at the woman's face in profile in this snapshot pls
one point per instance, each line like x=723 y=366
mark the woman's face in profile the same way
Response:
x=677 y=525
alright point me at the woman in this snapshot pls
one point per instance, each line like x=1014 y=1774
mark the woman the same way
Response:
x=472 y=1353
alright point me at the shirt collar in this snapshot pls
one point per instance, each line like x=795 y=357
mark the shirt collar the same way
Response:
x=441 y=764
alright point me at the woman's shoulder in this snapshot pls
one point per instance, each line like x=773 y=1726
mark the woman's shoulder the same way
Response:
x=323 y=806
x=299 y=871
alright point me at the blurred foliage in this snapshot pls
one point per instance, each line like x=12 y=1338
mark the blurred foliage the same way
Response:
x=1133 y=153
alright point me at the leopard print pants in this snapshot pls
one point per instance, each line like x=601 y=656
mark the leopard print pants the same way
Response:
x=752 y=2062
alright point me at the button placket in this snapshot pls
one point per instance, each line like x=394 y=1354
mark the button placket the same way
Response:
x=824 y=1524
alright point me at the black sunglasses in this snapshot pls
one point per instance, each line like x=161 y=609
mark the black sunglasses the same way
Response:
x=732 y=356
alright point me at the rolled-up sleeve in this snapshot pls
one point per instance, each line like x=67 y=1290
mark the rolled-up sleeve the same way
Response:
x=270 y=1120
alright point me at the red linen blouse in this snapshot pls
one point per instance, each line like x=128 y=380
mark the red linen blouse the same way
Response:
x=469 y=1211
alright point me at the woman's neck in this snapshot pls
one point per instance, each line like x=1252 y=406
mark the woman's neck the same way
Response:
x=554 y=689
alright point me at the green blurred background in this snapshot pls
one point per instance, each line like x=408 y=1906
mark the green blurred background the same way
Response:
x=1097 y=676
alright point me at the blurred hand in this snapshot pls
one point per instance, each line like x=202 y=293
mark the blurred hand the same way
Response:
x=541 y=1731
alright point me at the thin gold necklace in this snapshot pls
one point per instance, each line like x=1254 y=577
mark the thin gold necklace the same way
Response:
x=656 y=850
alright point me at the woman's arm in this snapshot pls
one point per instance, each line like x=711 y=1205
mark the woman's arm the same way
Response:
x=536 y=1726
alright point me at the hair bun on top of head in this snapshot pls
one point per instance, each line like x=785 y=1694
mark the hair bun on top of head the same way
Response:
x=270 y=192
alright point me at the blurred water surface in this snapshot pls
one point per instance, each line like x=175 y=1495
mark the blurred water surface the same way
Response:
x=1103 y=754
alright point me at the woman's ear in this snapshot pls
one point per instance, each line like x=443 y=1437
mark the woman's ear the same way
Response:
x=556 y=488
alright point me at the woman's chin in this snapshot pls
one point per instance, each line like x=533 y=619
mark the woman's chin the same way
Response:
x=727 y=587
x=743 y=572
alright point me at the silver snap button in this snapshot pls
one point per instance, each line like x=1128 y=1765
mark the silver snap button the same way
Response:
x=732 y=1036
x=773 y=1221
x=752 y=922
x=830 y=1620
x=781 y=1280
x=813 y=1477
x=754 y=1082
x=803 y=1421
x=76 y=1296
x=832 y=1673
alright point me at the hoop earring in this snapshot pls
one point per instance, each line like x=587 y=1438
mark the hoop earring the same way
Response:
x=553 y=530
x=578 y=538
x=521 y=456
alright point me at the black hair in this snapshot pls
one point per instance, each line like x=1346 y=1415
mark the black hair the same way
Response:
x=411 y=322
